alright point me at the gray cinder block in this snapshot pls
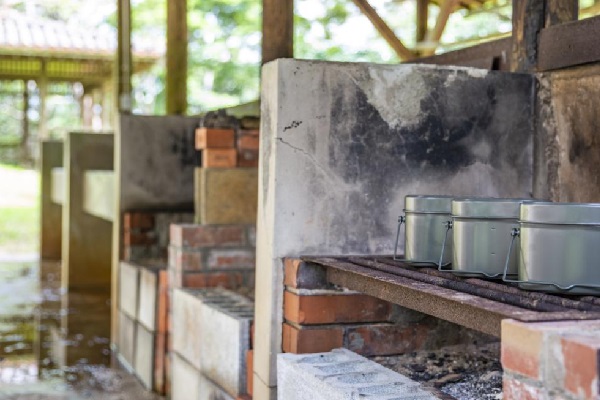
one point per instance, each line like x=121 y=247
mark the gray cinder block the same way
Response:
x=211 y=330
x=341 y=375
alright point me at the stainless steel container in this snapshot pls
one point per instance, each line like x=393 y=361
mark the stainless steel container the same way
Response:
x=560 y=247
x=481 y=230
x=424 y=218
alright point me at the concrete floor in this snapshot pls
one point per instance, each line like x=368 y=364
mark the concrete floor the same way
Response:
x=31 y=317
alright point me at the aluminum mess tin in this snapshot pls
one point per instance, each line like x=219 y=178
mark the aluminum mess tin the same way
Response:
x=481 y=235
x=560 y=247
x=424 y=218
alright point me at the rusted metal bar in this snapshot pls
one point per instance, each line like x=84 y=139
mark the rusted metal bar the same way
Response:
x=580 y=305
x=461 y=286
x=469 y=310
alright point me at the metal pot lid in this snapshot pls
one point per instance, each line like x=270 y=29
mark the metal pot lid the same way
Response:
x=487 y=208
x=561 y=213
x=428 y=204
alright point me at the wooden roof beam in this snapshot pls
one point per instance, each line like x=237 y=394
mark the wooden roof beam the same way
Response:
x=433 y=37
x=384 y=30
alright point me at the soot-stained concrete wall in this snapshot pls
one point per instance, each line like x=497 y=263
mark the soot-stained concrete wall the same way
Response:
x=342 y=144
x=156 y=162
x=567 y=166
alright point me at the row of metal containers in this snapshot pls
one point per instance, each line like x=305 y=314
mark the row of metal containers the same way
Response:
x=553 y=247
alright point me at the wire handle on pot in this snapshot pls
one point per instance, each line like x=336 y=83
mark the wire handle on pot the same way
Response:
x=401 y=221
x=516 y=232
x=448 y=225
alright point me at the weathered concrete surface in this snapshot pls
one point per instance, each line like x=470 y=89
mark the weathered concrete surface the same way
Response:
x=342 y=375
x=190 y=384
x=211 y=330
x=156 y=159
x=144 y=356
x=126 y=339
x=98 y=194
x=87 y=240
x=51 y=213
x=129 y=289
x=342 y=144
x=226 y=195
x=567 y=166
x=58 y=185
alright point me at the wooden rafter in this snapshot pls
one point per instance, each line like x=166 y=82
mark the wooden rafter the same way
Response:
x=433 y=37
x=384 y=30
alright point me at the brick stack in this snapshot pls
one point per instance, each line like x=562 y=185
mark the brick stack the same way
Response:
x=211 y=336
x=226 y=187
x=228 y=148
x=202 y=256
x=551 y=360
x=146 y=233
x=143 y=336
x=319 y=317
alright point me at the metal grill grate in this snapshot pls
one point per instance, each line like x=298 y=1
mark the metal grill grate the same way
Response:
x=471 y=302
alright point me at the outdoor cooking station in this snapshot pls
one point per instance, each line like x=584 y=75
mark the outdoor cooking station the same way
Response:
x=470 y=302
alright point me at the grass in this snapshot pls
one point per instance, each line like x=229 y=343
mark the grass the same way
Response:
x=19 y=210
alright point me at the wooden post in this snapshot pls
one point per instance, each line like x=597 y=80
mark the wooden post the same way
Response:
x=422 y=16
x=560 y=11
x=177 y=55
x=277 y=30
x=529 y=18
x=42 y=83
x=124 y=63
x=25 y=138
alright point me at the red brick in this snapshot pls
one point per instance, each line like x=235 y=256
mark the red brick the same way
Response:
x=327 y=309
x=162 y=308
x=521 y=348
x=159 y=362
x=248 y=142
x=385 y=339
x=138 y=238
x=299 y=274
x=513 y=389
x=304 y=340
x=168 y=374
x=219 y=158
x=138 y=220
x=210 y=138
x=195 y=235
x=581 y=362
x=230 y=258
x=249 y=132
x=244 y=397
x=228 y=280
x=249 y=371
x=248 y=158
x=184 y=259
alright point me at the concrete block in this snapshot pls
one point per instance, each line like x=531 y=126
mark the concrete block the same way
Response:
x=58 y=185
x=149 y=358
x=127 y=336
x=129 y=283
x=226 y=196
x=211 y=330
x=153 y=298
x=341 y=375
x=335 y=170
x=189 y=384
x=87 y=239
x=50 y=212
x=99 y=194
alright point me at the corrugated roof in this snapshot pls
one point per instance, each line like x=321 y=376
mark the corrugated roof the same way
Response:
x=22 y=34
